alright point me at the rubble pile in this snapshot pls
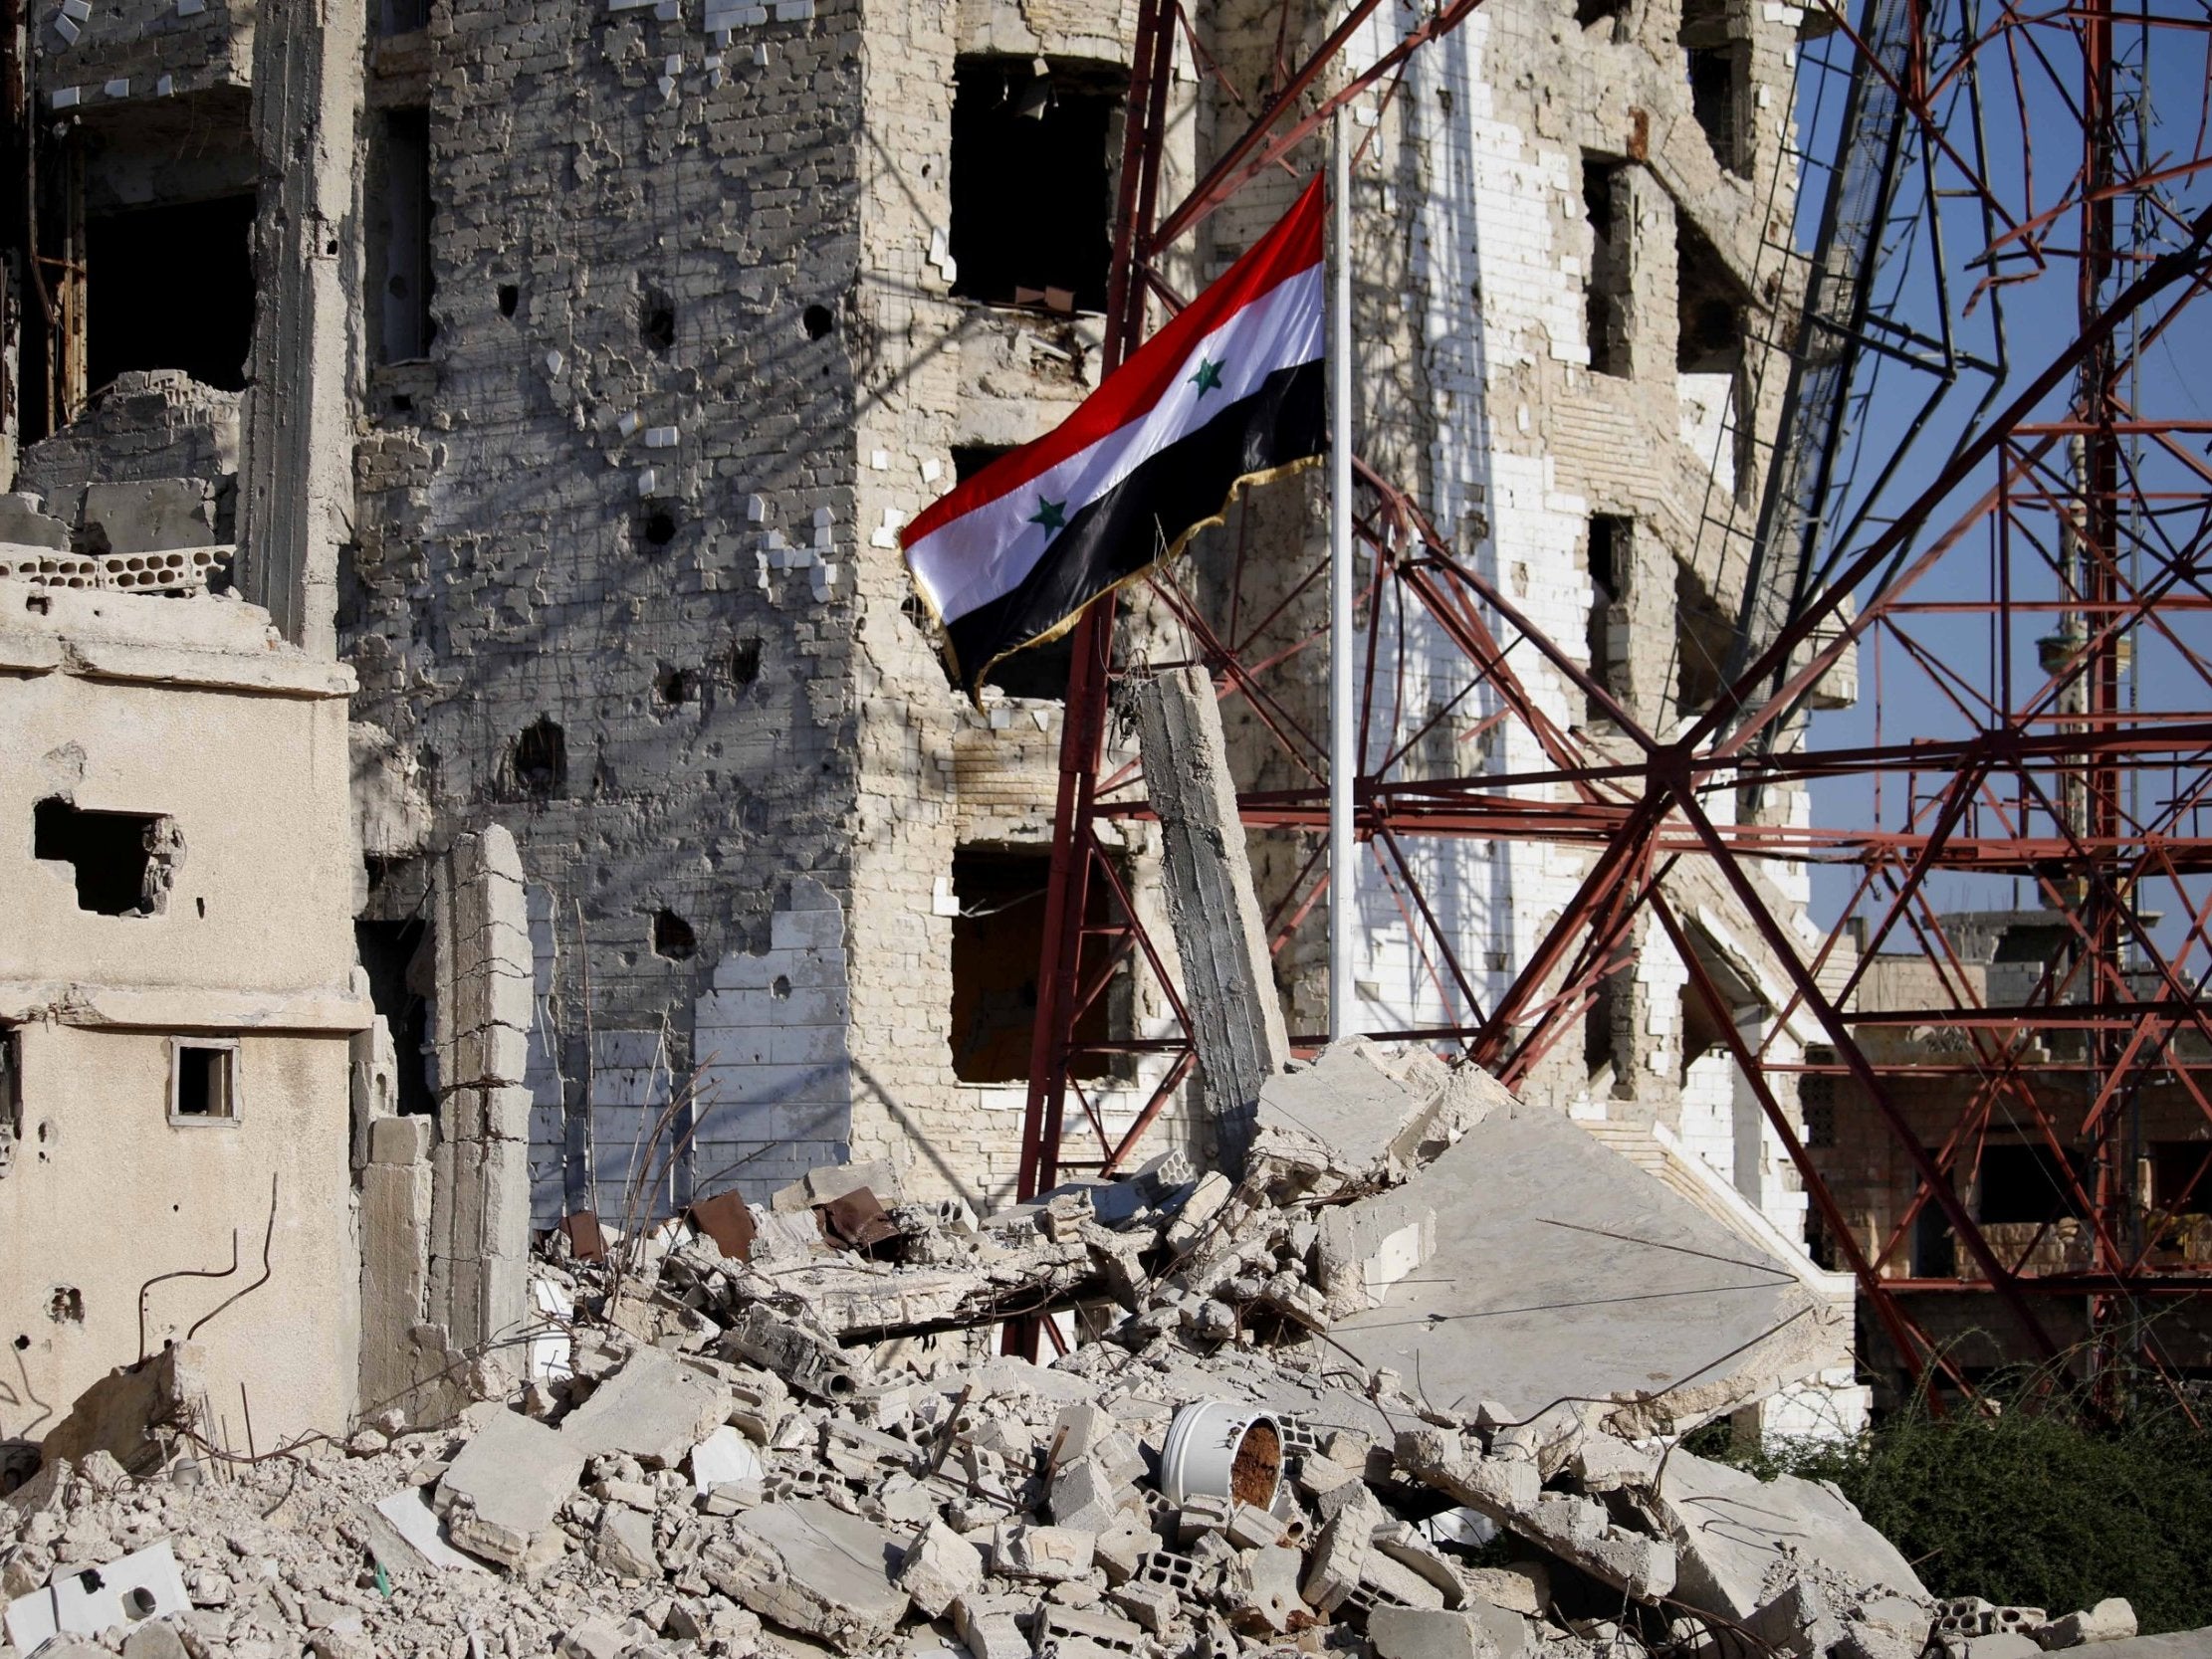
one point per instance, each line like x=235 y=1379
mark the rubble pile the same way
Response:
x=778 y=1428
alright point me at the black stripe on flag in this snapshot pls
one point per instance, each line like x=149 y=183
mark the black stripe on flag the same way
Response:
x=1147 y=515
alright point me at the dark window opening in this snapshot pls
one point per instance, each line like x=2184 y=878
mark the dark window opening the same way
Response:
x=11 y=1095
x=206 y=1082
x=123 y=861
x=510 y=297
x=1609 y=569
x=171 y=288
x=816 y=320
x=745 y=661
x=1711 y=306
x=1031 y=197
x=1702 y=636
x=1715 y=82
x=539 y=762
x=1716 y=68
x=1816 y=1098
x=400 y=959
x=673 y=937
x=403 y=17
x=1704 y=1027
x=1602 y=1028
x=2022 y=1184
x=400 y=255
x=1607 y=288
x=656 y=320
x=2181 y=1180
x=971 y=459
x=1934 y=1245
x=997 y=938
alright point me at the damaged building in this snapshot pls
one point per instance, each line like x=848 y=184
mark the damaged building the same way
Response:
x=563 y=376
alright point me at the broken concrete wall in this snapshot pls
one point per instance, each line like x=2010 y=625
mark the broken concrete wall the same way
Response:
x=480 y=1220
x=184 y=1044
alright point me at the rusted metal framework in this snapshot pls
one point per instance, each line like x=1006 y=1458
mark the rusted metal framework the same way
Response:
x=2013 y=554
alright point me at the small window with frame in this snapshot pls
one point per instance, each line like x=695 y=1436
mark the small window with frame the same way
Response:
x=203 y=1080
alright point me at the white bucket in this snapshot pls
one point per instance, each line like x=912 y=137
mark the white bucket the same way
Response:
x=1221 y=1449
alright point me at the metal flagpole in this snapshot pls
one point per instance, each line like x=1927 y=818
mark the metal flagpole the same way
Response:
x=1344 y=765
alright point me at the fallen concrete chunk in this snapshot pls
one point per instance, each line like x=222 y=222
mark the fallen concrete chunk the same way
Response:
x=1334 y=1573
x=405 y=1538
x=724 y=1458
x=506 y=1485
x=655 y=1410
x=623 y=1544
x=1261 y=1588
x=125 y=1412
x=938 y=1568
x=81 y=1601
x=2112 y=1619
x=803 y=1357
x=1518 y=1586
x=1049 y=1555
x=1732 y=1530
x=1329 y=1126
x=1417 y=1633
x=814 y=1569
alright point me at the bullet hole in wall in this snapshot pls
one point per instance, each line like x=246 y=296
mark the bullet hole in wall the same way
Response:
x=744 y=660
x=539 y=762
x=817 y=321
x=655 y=529
x=21 y=1342
x=782 y=988
x=66 y=1305
x=676 y=685
x=673 y=937
x=510 y=297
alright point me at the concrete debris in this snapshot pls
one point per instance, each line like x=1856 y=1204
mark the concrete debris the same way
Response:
x=811 y=1439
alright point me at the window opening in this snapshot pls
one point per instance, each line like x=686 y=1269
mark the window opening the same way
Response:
x=1934 y=1245
x=2022 y=1182
x=402 y=963
x=2176 y=1184
x=673 y=937
x=1716 y=66
x=539 y=762
x=1609 y=561
x=1607 y=289
x=1031 y=186
x=405 y=285
x=171 y=288
x=203 y=1082
x=656 y=320
x=403 y=17
x=997 y=938
x=11 y=1096
x=123 y=861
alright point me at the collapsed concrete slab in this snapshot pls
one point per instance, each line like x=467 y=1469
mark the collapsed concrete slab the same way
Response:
x=1736 y=1534
x=507 y=1486
x=655 y=1410
x=814 y=1569
x=1563 y=1271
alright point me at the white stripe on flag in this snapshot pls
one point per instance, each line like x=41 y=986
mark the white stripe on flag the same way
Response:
x=985 y=553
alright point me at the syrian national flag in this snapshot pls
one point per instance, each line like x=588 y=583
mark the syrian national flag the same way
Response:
x=1230 y=392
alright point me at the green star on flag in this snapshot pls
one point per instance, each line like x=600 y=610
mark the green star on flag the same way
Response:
x=1052 y=514
x=1209 y=376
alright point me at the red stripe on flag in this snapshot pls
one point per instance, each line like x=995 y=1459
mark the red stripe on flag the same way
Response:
x=1292 y=245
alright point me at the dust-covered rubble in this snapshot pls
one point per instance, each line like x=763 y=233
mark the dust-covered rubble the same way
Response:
x=811 y=1445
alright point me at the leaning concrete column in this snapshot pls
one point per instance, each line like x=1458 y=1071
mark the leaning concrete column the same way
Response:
x=1229 y=983
x=296 y=432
